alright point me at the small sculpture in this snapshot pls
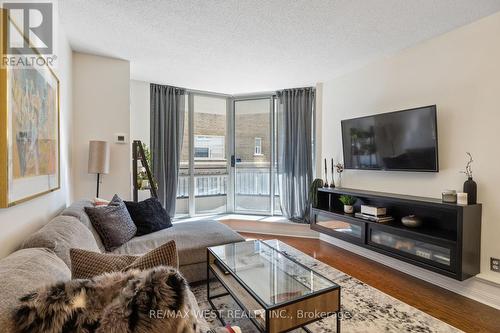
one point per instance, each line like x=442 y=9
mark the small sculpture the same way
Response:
x=412 y=221
x=340 y=168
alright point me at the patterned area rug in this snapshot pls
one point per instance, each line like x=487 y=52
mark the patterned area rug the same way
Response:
x=364 y=308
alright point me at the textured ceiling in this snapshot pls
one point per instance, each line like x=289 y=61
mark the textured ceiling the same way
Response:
x=248 y=46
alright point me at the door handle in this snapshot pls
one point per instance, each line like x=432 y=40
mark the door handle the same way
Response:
x=233 y=161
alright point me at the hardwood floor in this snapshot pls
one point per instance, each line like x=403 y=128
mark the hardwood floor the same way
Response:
x=459 y=311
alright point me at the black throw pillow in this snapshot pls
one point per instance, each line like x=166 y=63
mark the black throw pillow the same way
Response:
x=148 y=215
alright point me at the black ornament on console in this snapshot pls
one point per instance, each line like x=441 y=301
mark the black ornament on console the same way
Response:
x=332 y=184
x=326 y=175
x=470 y=186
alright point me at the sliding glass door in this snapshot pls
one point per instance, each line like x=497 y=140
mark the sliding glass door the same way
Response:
x=210 y=162
x=203 y=177
x=253 y=155
x=228 y=157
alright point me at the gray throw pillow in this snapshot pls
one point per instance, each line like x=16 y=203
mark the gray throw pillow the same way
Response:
x=113 y=223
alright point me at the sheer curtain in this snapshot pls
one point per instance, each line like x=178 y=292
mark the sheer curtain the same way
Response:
x=167 y=127
x=295 y=156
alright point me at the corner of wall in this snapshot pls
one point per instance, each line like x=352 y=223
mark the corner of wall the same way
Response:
x=101 y=109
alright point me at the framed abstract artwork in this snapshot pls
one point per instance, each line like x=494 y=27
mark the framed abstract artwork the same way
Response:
x=29 y=133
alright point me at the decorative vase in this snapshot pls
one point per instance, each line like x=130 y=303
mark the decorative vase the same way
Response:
x=339 y=181
x=348 y=209
x=470 y=187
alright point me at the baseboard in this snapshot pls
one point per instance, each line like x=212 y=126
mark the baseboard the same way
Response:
x=474 y=288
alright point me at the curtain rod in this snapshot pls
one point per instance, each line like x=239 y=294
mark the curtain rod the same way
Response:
x=194 y=91
x=204 y=92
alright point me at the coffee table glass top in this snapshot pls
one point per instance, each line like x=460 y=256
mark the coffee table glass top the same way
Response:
x=272 y=276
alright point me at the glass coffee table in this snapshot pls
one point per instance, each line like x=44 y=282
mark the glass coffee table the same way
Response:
x=276 y=292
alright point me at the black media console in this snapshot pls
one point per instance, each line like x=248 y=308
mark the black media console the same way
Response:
x=448 y=242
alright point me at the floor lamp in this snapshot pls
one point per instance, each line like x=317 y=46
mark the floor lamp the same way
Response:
x=98 y=159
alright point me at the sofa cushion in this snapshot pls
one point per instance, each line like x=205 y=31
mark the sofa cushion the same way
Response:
x=24 y=271
x=112 y=222
x=77 y=210
x=191 y=239
x=87 y=264
x=60 y=235
x=148 y=215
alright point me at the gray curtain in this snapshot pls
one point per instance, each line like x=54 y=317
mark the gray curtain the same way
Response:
x=295 y=156
x=167 y=128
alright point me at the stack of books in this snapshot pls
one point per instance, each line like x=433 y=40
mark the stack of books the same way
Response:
x=374 y=214
x=380 y=219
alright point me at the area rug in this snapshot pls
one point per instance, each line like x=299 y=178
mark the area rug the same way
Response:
x=364 y=308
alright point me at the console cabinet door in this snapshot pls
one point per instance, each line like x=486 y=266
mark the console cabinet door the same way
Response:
x=441 y=254
x=339 y=226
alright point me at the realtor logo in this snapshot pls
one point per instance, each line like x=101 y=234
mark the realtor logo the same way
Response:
x=29 y=28
x=27 y=33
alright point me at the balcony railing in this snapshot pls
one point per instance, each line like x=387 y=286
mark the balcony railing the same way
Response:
x=249 y=181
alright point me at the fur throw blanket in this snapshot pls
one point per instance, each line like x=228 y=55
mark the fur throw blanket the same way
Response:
x=148 y=301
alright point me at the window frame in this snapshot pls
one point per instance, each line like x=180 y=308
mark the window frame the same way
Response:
x=257 y=151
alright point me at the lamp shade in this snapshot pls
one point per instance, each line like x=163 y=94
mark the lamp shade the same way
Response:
x=98 y=157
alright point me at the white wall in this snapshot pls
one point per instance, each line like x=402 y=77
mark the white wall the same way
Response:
x=19 y=221
x=460 y=72
x=139 y=111
x=101 y=102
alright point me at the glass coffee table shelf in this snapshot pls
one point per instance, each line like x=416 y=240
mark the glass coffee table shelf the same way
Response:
x=277 y=293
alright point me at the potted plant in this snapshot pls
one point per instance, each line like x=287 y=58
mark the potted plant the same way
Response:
x=348 y=202
x=313 y=191
x=142 y=177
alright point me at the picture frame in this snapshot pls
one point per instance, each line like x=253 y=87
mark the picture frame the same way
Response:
x=29 y=131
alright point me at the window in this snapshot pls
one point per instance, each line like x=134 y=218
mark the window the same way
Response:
x=258 y=146
x=209 y=147
x=201 y=152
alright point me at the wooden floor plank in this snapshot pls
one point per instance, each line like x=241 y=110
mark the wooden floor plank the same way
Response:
x=456 y=310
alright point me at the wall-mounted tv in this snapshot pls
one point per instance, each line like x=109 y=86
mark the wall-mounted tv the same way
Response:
x=398 y=141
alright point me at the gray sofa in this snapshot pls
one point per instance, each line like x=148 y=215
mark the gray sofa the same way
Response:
x=44 y=256
x=191 y=239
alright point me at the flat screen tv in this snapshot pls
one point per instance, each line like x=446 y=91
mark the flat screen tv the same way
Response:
x=398 y=141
